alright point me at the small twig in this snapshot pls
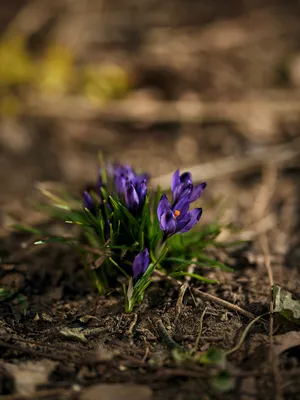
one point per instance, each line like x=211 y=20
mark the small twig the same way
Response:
x=147 y=353
x=200 y=332
x=266 y=252
x=27 y=350
x=208 y=297
x=244 y=334
x=210 y=339
x=179 y=305
x=166 y=338
x=273 y=359
x=132 y=325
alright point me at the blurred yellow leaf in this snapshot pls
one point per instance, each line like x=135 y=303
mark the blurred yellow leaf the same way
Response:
x=56 y=72
x=16 y=65
x=10 y=106
x=102 y=83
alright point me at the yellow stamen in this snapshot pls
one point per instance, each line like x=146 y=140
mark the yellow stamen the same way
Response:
x=176 y=213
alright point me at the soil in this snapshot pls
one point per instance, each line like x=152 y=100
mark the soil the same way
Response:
x=58 y=338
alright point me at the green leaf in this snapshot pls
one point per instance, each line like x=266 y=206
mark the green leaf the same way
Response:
x=59 y=239
x=214 y=263
x=5 y=294
x=223 y=381
x=213 y=356
x=195 y=276
x=27 y=229
x=102 y=168
x=285 y=305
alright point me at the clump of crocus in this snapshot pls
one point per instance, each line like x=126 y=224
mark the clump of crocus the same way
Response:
x=176 y=217
x=125 y=226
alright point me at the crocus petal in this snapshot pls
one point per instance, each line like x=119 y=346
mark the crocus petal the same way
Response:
x=120 y=183
x=131 y=197
x=163 y=206
x=139 y=178
x=175 y=180
x=186 y=177
x=182 y=190
x=182 y=206
x=140 y=264
x=88 y=202
x=128 y=172
x=168 y=223
x=194 y=218
x=182 y=222
x=142 y=189
x=197 y=191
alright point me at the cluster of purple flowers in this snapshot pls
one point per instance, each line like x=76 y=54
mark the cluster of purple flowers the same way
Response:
x=175 y=217
x=130 y=186
x=132 y=189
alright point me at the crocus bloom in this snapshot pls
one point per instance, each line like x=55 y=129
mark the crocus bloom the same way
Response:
x=135 y=195
x=177 y=217
x=182 y=186
x=140 y=264
x=121 y=172
x=131 y=186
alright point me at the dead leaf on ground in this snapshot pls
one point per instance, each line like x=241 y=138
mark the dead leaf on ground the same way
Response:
x=117 y=392
x=286 y=341
x=73 y=334
x=285 y=305
x=85 y=318
x=28 y=375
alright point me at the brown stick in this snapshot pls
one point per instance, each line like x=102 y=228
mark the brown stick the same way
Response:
x=208 y=297
x=273 y=359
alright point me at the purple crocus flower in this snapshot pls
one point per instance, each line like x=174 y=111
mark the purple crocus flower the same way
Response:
x=140 y=264
x=182 y=186
x=177 y=217
x=135 y=194
x=131 y=186
x=118 y=171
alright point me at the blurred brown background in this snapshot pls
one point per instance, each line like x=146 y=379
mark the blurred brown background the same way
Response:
x=156 y=84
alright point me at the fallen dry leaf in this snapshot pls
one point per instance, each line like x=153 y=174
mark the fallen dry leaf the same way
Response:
x=285 y=305
x=73 y=334
x=28 y=375
x=286 y=341
x=117 y=392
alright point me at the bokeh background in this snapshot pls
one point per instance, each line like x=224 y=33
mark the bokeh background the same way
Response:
x=156 y=84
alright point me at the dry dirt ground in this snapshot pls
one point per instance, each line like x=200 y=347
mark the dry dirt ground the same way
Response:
x=215 y=88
